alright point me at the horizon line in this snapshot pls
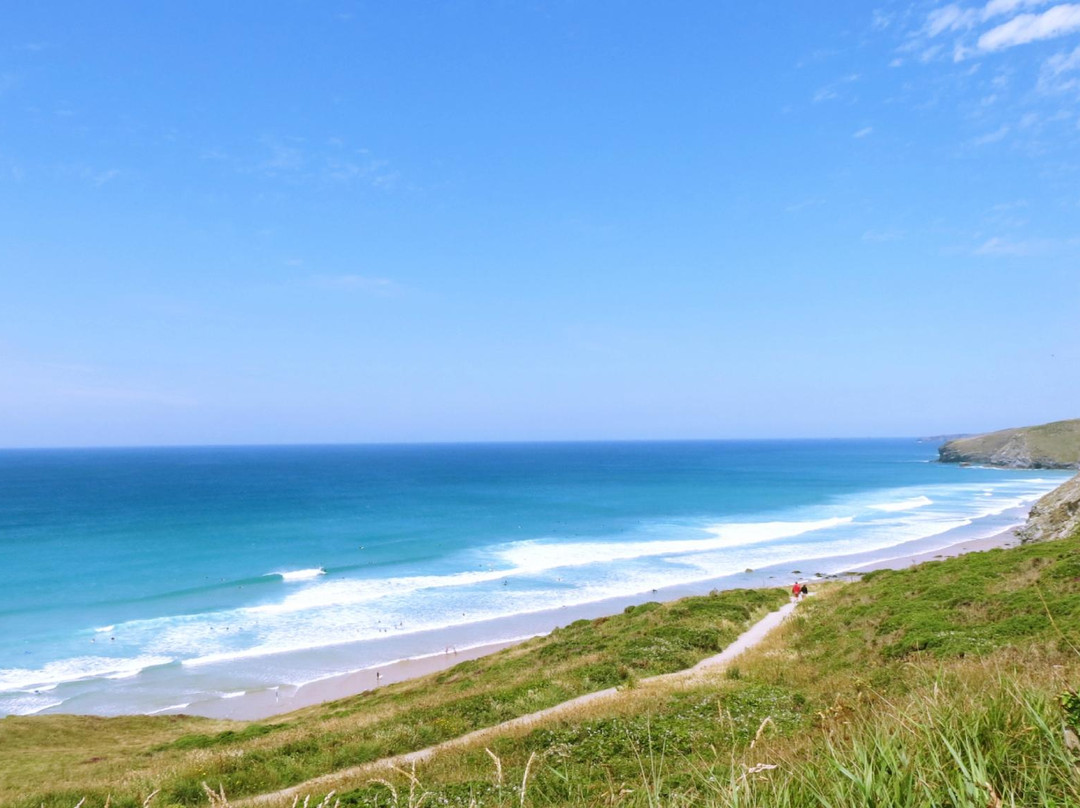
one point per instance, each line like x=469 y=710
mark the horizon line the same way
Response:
x=479 y=442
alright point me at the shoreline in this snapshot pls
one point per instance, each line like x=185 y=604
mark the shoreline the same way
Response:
x=271 y=702
x=1006 y=538
x=259 y=704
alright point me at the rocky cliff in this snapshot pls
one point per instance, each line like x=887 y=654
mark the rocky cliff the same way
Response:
x=1055 y=516
x=1050 y=446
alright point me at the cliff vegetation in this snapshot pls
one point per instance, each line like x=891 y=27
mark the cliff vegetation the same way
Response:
x=1049 y=446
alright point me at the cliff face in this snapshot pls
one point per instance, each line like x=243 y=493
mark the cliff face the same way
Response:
x=1055 y=516
x=1050 y=446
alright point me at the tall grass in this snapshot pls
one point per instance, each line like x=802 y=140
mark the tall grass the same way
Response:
x=999 y=745
x=999 y=748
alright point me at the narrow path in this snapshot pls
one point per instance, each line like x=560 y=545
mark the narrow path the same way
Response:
x=748 y=639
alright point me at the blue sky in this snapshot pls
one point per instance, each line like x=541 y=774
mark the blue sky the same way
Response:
x=344 y=222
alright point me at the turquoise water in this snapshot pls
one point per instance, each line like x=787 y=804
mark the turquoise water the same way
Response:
x=139 y=580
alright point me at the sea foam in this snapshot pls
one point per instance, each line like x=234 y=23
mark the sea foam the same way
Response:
x=541 y=556
x=69 y=670
x=904 y=504
x=300 y=575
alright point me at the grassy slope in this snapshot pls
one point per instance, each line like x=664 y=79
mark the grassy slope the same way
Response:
x=930 y=686
x=56 y=760
x=1058 y=441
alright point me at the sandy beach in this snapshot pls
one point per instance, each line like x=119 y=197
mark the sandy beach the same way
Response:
x=261 y=704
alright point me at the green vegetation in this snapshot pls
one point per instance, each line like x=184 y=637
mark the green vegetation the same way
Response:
x=178 y=755
x=1054 y=445
x=229 y=736
x=945 y=684
x=948 y=684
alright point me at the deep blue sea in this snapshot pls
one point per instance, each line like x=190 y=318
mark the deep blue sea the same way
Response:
x=140 y=580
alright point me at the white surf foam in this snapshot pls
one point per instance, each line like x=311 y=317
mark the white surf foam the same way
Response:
x=183 y=706
x=342 y=610
x=72 y=670
x=44 y=707
x=352 y=591
x=904 y=504
x=537 y=555
x=300 y=575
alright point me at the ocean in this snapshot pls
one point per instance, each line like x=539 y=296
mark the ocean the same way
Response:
x=159 y=580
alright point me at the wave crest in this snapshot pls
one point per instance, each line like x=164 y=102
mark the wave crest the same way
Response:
x=70 y=670
x=904 y=504
x=299 y=575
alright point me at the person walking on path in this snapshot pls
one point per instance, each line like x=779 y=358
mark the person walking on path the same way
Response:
x=803 y=592
x=795 y=591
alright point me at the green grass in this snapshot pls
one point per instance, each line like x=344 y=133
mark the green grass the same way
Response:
x=950 y=684
x=178 y=757
x=67 y=757
x=933 y=686
x=1054 y=443
x=970 y=605
x=966 y=747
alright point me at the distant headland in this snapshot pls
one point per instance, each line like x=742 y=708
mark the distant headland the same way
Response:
x=1049 y=446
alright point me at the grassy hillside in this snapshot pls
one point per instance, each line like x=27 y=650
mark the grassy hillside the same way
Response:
x=937 y=685
x=1055 y=445
x=57 y=760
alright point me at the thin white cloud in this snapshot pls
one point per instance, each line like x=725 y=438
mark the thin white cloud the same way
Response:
x=1007 y=206
x=995 y=8
x=877 y=236
x=94 y=176
x=866 y=130
x=1064 y=62
x=375 y=172
x=1024 y=28
x=964 y=24
x=284 y=157
x=806 y=203
x=954 y=17
x=357 y=283
x=1061 y=72
x=1001 y=246
x=832 y=91
x=930 y=54
x=950 y=18
x=881 y=20
x=992 y=137
x=103 y=177
x=296 y=160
